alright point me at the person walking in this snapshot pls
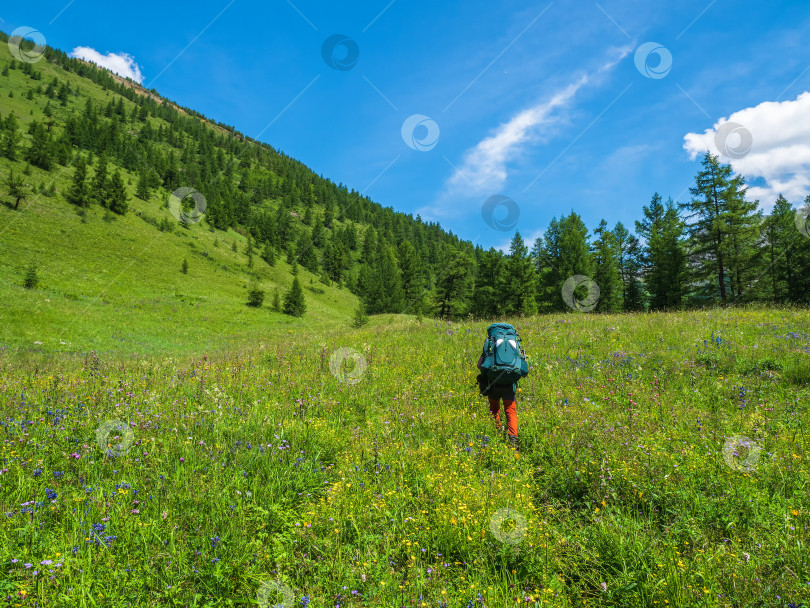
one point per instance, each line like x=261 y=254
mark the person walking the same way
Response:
x=501 y=364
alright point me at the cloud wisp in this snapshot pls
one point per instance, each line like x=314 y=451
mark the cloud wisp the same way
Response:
x=770 y=141
x=119 y=63
x=485 y=166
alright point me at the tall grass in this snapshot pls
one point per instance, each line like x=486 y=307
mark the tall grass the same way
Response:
x=261 y=469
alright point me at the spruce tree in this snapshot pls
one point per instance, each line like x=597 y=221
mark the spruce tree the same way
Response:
x=31 y=279
x=562 y=253
x=663 y=255
x=411 y=272
x=294 y=304
x=78 y=193
x=99 y=186
x=40 y=153
x=519 y=288
x=10 y=137
x=360 y=316
x=607 y=274
x=487 y=299
x=17 y=189
x=117 y=196
x=722 y=229
x=629 y=260
x=276 y=307
x=390 y=278
x=781 y=252
x=307 y=254
x=453 y=285
x=142 y=189
x=255 y=295
x=269 y=254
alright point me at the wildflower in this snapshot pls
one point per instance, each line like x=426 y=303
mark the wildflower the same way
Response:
x=45 y=562
x=604 y=586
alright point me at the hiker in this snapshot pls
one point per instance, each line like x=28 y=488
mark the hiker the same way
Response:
x=502 y=363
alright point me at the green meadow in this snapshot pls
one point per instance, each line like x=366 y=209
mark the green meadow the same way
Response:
x=328 y=466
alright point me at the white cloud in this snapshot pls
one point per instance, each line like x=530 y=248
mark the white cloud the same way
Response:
x=119 y=63
x=484 y=166
x=484 y=169
x=779 y=148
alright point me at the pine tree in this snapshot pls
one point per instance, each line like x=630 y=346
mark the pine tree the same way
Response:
x=142 y=189
x=519 y=289
x=40 y=153
x=561 y=254
x=276 y=307
x=99 y=186
x=255 y=295
x=307 y=254
x=411 y=272
x=117 y=196
x=487 y=297
x=663 y=255
x=629 y=252
x=369 y=289
x=269 y=254
x=781 y=252
x=31 y=279
x=723 y=231
x=77 y=193
x=390 y=280
x=11 y=137
x=360 y=316
x=249 y=251
x=607 y=274
x=294 y=304
x=453 y=285
x=17 y=189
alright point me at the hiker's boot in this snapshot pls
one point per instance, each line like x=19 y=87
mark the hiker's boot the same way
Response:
x=513 y=441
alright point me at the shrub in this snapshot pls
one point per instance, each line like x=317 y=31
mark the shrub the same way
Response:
x=31 y=277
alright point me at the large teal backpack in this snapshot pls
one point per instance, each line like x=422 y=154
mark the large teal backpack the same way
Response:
x=505 y=361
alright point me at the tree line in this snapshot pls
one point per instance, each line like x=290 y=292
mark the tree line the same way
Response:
x=715 y=248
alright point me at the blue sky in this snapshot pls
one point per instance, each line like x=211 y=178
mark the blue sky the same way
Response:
x=539 y=102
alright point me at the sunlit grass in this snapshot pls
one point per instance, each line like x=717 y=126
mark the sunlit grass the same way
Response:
x=259 y=465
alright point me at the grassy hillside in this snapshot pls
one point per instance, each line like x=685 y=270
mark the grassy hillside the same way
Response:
x=112 y=282
x=243 y=476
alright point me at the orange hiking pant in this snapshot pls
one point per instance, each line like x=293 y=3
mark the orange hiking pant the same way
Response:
x=510 y=407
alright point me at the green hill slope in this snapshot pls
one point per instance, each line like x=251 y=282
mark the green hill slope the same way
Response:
x=113 y=281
